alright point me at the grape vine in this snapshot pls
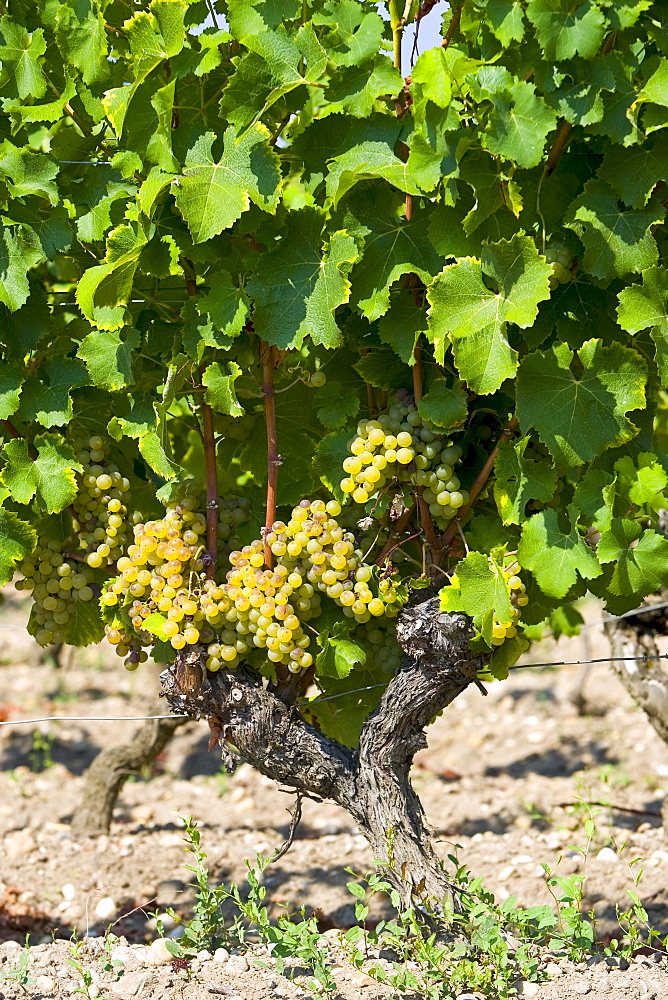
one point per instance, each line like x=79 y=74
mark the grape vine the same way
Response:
x=404 y=315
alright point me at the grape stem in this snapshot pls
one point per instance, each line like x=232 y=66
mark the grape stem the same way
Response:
x=452 y=27
x=268 y=360
x=209 y=443
x=400 y=526
x=481 y=479
x=370 y=392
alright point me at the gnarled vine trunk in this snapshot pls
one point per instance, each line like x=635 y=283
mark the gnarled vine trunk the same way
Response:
x=111 y=769
x=371 y=783
x=633 y=645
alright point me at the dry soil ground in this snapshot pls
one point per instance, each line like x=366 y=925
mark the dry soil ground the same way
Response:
x=503 y=783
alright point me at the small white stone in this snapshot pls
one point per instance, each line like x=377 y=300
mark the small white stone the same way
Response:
x=607 y=854
x=237 y=964
x=221 y=955
x=132 y=959
x=204 y=955
x=528 y=989
x=105 y=908
x=68 y=891
x=553 y=969
x=44 y=985
x=93 y=991
x=505 y=873
x=158 y=953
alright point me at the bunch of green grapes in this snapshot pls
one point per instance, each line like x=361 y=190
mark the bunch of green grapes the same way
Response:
x=56 y=583
x=232 y=512
x=258 y=608
x=502 y=630
x=383 y=650
x=159 y=573
x=401 y=445
x=238 y=428
x=561 y=260
x=315 y=545
x=100 y=505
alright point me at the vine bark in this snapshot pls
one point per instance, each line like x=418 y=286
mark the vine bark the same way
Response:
x=372 y=783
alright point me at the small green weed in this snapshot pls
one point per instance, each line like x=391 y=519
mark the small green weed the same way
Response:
x=40 y=757
x=20 y=974
x=493 y=945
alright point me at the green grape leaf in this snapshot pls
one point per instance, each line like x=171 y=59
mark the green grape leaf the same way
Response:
x=595 y=497
x=330 y=452
x=154 y=624
x=170 y=15
x=109 y=359
x=85 y=625
x=505 y=655
x=49 y=476
x=353 y=36
x=366 y=161
x=565 y=621
x=579 y=406
x=20 y=250
x=82 y=40
x=402 y=324
x=555 y=552
x=103 y=291
x=19 y=54
x=482 y=593
x=154 y=454
x=212 y=196
x=566 y=29
x=29 y=173
x=339 y=655
x=520 y=479
x=444 y=405
x=51 y=404
x=337 y=404
x=643 y=481
x=431 y=80
x=519 y=121
x=220 y=393
x=383 y=370
x=12 y=377
x=617 y=240
x=644 y=307
x=634 y=173
x=392 y=246
x=214 y=319
x=465 y=312
x=505 y=21
x=17 y=541
x=298 y=285
x=136 y=423
x=356 y=89
x=342 y=717
x=656 y=88
x=640 y=558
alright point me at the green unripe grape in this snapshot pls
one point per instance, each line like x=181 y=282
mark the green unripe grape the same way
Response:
x=317 y=379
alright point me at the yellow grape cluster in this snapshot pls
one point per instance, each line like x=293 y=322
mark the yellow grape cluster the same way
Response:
x=401 y=445
x=502 y=630
x=100 y=504
x=56 y=584
x=315 y=545
x=160 y=572
x=256 y=608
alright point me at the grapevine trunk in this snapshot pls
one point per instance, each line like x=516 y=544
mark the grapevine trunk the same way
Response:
x=371 y=783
